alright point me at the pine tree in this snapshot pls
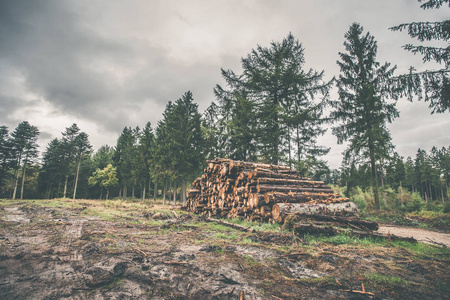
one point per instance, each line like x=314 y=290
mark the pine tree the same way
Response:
x=82 y=149
x=362 y=111
x=281 y=94
x=145 y=156
x=24 y=151
x=5 y=157
x=431 y=85
x=185 y=139
x=103 y=157
x=214 y=132
x=52 y=169
x=124 y=154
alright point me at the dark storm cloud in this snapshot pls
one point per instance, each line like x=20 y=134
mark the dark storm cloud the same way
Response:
x=110 y=64
x=48 y=45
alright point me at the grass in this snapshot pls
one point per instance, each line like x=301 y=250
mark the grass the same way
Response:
x=382 y=279
x=250 y=260
x=228 y=236
x=421 y=250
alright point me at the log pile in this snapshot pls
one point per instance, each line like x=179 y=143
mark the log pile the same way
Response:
x=262 y=192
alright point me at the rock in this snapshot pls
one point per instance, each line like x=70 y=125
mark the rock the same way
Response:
x=119 y=269
x=99 y=276
x=160 y=216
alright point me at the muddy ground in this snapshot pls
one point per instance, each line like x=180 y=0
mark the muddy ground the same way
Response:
x=119 y=250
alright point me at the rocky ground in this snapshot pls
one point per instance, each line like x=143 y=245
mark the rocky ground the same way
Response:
x=85 y=249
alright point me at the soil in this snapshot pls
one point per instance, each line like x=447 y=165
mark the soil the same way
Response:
x=422 y=235
x=68 y=252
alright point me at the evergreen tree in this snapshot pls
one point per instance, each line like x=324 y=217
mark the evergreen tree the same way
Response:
x=238 y=117
x=431 y=85
x=185 y=139
x=124 y=158
x=362 y=110
x=24 y=151
x=276 y=87
x=52 y=169
x=103 y=157
x=5 y=157
x=82 y=149
x=145 y=156
x=214 y=132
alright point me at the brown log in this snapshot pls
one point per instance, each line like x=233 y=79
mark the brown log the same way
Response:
x=284 y=209
x=285 y=181
x=341 y=221
x=279 y=188
x=300 y=197
x=258 y=172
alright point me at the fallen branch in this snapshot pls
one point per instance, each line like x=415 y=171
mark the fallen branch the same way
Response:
x=236 y=226
x=228 y=280
x=174 y=262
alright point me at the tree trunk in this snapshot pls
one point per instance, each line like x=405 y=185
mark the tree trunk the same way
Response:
x=125 y=191
x=374 y=177
x=143 y=194
x=76 y=178
x=16 y=184
x=155 y=192
x=65 y=186
x=19 y=159
x=24 y=169
x=101 y=193
x=183 y=191
x=107 y=193
x=382 y=186
x=401 y=192
x=164 y=192
x=174 y=192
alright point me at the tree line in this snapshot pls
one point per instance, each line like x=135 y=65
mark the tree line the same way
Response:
x=273 y=112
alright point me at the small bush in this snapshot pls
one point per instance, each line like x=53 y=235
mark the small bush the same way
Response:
x=360 y=201
x=417 y=203
x=446 y=208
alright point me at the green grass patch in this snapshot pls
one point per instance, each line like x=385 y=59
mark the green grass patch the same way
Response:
x=226 y=236
x=382 y=279
x=256 y=225
x=422 y=250
x=343 y=239
x=250 y=260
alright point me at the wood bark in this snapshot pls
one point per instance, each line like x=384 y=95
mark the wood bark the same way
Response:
x=266 y=193
x=345 y=208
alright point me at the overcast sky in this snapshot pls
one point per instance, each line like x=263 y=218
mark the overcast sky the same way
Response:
x=108 y=64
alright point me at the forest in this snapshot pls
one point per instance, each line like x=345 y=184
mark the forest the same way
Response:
x=271 y=112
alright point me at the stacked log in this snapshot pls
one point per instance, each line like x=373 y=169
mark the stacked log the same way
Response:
x=261 y=192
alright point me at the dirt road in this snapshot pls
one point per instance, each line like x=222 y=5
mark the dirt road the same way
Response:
x=119 y=250
x=422 y=235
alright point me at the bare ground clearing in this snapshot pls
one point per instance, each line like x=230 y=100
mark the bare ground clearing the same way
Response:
x=422 y=235
x=89 y=249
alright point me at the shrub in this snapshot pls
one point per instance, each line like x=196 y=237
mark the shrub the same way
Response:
x=416 y=203
x=360 y=201
x=446 y=208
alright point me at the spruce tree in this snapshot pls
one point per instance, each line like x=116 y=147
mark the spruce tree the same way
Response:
x=362 y=110
x=280 y=96
x=431 y=85
x=24 y=151
x=124 y=154
x=5 y=157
